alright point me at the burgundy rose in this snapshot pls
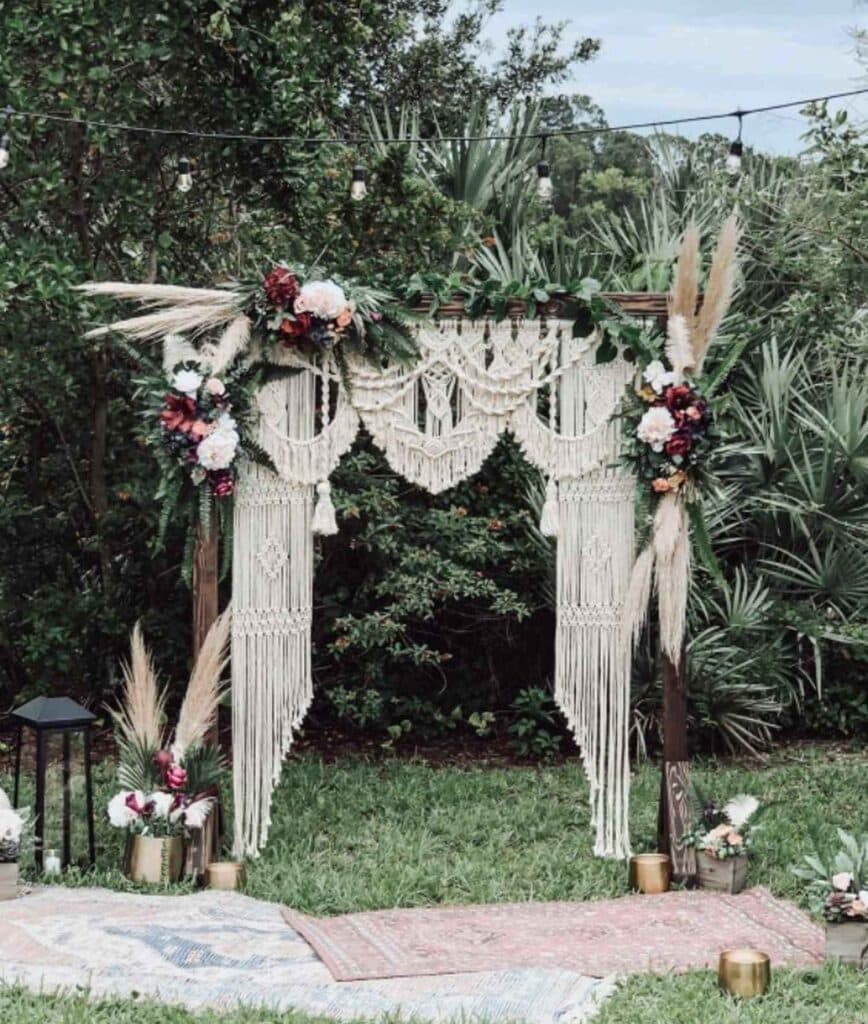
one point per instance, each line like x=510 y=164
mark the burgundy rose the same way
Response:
x=281 y=287
x=677 y=397
x=134 y=804
x=294 y=331
x=222 y=484
x=678 y=444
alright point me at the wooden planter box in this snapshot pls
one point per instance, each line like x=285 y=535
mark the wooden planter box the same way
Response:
x=847 y=942
x=8 y=881
x=722 y=875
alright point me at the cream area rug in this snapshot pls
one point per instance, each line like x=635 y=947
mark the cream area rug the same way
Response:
x=221 y=950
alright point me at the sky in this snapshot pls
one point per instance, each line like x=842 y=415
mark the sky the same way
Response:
x=669 y=59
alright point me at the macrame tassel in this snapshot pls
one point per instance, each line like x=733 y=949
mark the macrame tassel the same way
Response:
x=549 y=523
x=325 y=522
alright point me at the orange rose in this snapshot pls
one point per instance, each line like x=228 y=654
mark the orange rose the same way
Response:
x=660 y=485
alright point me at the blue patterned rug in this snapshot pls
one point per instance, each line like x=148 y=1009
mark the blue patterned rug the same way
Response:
x=221 y=950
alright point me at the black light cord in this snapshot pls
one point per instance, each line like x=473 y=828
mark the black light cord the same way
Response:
x=355 y=140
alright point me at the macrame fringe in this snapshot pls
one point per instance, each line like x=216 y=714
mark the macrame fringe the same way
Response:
x=437 y=422
x=549 y=523
x=324 y=523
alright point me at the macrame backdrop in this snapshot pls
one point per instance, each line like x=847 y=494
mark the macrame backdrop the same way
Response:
x=437 y=422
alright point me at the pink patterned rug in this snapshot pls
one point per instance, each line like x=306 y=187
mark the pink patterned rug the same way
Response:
x=677 y=931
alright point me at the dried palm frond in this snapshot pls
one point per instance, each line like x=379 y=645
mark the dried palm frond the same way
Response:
x=174 y=320
x=685 y=287
x=199 y=710
x=679 y=350
x=740 y=809
x=161 y=294
x=718 y=291
x=139 y=719
x=231 y=343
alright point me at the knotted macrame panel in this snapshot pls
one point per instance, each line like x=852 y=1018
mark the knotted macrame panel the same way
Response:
x=436 y=422
x=272 y=594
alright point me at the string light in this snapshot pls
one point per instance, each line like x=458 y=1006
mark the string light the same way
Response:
x=544 y=186
x=736 y=149
x=358 y=188
x=185 y=178
x=337 y=140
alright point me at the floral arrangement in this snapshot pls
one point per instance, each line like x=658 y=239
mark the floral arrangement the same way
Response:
x=14 y=831
x=168 y=786
x=723 y=832
x=200 y=425
x=673 y=430
x=841 y=885
x=198 y=430
x=299 y=310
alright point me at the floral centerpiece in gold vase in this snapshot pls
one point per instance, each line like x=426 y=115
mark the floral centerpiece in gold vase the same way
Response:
x=722 y=838
x=169 y=786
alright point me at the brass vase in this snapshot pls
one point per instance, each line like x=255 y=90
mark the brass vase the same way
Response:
x=650 y=873
x=155 y=860
x=744 y=972
x=224 y=875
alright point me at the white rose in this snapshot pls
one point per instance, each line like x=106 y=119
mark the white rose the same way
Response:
x=119 y=814
x=187 y=381
x=842 y=881
x=324 y=299
x=217 y=450
x=11 y=825
x=162 y=804
x=658 y=376
x=656 y=427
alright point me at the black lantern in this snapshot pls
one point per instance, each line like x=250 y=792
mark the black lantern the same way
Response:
x=45 y=716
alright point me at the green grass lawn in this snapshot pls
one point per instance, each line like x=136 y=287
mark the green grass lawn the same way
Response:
x=356 y=836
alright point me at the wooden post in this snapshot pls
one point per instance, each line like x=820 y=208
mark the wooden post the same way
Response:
x=674 y=812
x=205 y=844
x=205 y=573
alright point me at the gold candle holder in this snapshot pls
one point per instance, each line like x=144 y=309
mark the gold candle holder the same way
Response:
x=744 y=972
x=650 y=872
x=224 y=875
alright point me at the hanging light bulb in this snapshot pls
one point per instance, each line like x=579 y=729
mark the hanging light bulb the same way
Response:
x=5 y=147
x=544 y=186
x=358 y=188
x=736 y=150
x=185 y=178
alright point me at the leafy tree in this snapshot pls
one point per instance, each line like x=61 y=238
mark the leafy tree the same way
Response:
x=77 y=515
